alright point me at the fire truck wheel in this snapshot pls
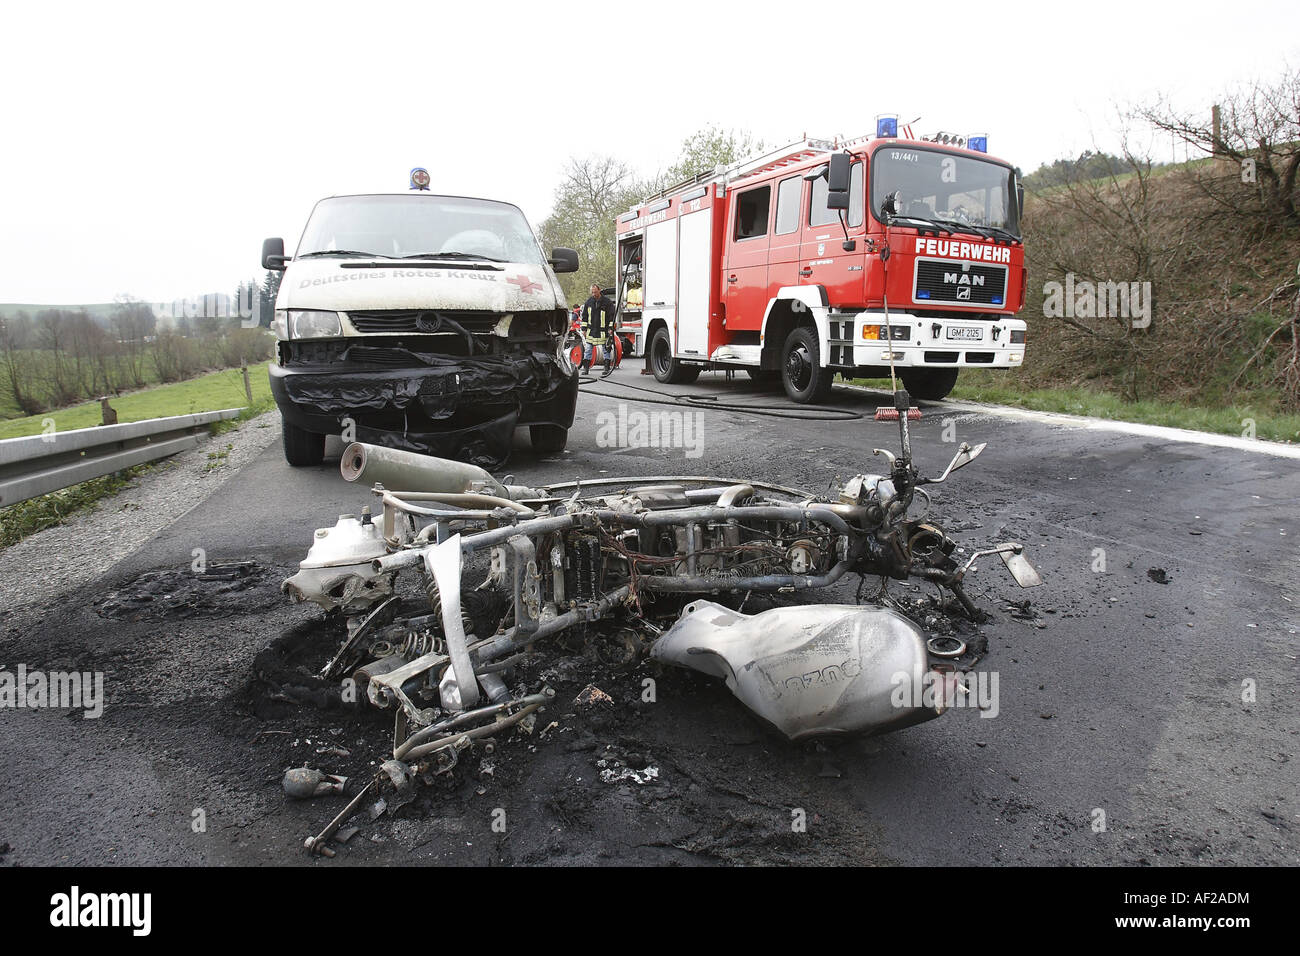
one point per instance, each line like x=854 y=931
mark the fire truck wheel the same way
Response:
x=929 y=384
x=302 y=448
x=666 y=368
x=548 y=439
x=806 y=380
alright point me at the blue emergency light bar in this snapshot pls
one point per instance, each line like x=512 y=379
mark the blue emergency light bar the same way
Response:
x=886 y=127
x=978 y=143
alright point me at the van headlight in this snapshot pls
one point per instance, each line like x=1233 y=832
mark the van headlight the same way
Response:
x=280 y=325
x=314 y=324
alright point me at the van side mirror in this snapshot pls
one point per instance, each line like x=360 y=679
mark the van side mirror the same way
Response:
x=563 y=260
x=273 y=254
x=837 y=181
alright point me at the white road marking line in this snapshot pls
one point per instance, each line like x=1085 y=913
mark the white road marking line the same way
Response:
x=1280 y=449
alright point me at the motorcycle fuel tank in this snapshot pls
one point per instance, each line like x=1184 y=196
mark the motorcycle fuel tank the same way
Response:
x=810 y=670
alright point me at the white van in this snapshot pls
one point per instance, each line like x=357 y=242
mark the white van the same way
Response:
x=424 y=322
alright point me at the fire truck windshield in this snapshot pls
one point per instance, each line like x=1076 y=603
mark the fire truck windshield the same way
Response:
x=418 y=226
x=948 y=188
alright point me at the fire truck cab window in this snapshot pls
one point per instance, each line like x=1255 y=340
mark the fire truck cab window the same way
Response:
x=945 y=187
x=820 y=215
x=751 y=212
x=788 y=194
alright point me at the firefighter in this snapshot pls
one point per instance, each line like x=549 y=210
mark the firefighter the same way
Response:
x=597 y=329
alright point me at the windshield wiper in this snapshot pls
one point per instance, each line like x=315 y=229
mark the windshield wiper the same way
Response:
x=988 y=232
x=350 y=253
x=451 y=255
x=957 y=226
x=1003 y=233
x=934 y=224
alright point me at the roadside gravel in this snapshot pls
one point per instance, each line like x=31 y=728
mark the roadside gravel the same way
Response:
x=42 y=568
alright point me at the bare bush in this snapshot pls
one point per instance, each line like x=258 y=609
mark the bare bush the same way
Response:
x=1257 y=131
x=17 y=339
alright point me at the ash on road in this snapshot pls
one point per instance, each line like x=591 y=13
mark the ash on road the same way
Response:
x=1146 y=710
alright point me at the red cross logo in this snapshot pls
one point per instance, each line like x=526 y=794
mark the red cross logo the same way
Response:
x=525 y=284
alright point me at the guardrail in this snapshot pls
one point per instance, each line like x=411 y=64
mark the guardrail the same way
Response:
x=39 y=464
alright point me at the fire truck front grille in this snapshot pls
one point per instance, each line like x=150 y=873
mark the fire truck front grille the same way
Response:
x=426 y=321
x=949 y=280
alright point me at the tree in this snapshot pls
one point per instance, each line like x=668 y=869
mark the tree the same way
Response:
x=1090 y=164
x=17 y=337
x=133 y=322
x=591 y=193
x=706 y=149
x=595 y=189
x=1259 y=130
x=269 y=290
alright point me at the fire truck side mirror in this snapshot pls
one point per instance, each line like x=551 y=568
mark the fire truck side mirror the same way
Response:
x=563 y=260
x=837 y=182
x=273 y=254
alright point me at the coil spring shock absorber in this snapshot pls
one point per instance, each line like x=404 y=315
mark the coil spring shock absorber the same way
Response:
x=417 y=645
x=435 y=604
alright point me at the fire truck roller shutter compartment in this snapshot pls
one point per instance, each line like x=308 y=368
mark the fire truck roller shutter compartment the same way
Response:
x=661 y=265
x=695 y=300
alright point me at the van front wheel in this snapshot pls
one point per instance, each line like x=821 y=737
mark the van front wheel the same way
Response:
x=548 y=439
x=302 y=449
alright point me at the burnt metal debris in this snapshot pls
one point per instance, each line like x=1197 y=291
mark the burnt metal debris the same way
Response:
x=503 y=566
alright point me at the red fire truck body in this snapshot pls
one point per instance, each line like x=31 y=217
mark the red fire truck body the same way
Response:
x=752 y=267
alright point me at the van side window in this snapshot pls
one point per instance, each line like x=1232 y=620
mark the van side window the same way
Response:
x=751 y=212
x=819 y=215
x=788 y=194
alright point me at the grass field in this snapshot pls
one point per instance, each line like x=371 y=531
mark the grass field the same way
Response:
x=206 y=393
x=975 y=385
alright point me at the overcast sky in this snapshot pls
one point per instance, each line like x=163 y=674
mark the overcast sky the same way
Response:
x=149 y=149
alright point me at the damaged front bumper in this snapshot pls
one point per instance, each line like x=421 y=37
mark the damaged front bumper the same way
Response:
x=459 y=407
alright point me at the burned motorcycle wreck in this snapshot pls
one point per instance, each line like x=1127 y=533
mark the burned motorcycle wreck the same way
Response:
x=503 y=566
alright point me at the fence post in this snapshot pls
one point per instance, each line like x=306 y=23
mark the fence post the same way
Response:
x=248 y=387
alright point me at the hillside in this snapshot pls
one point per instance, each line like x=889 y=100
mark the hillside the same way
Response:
x=101 y=312
x=1223 y=285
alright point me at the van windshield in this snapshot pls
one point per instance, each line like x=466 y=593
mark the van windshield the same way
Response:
x=420 y=225
x=945 y=187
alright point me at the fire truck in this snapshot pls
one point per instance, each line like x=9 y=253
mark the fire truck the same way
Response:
x=875 y=256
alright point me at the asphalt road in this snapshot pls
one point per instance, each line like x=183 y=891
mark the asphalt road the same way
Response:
x=1126 y=730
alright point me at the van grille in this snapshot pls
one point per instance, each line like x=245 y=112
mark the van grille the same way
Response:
x=426 y=321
